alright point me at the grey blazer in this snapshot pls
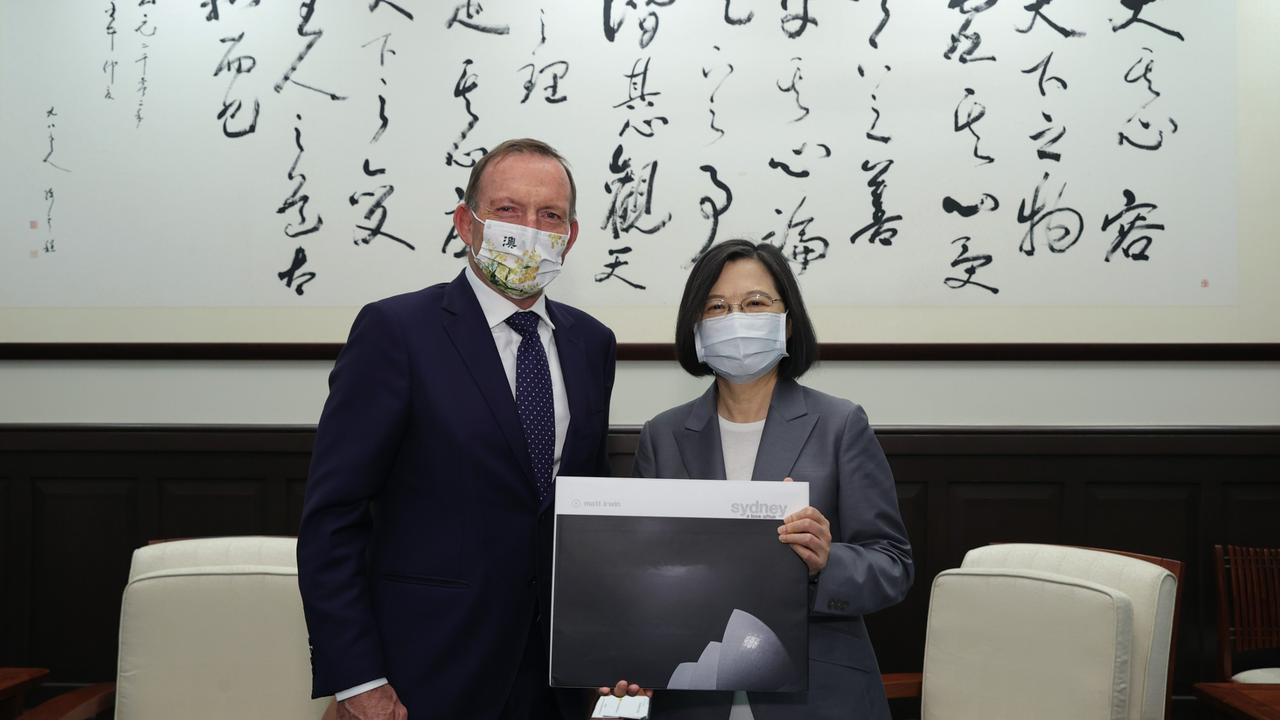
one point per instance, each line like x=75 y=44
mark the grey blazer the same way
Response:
x=826 y=442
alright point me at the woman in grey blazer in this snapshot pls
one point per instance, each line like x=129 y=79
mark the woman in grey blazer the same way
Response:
x=742 y=318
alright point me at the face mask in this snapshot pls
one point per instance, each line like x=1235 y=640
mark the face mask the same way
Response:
x=519 y=260
x=741 y=347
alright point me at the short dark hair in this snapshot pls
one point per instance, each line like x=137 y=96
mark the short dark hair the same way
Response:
x=512 y=147
x=802 y=346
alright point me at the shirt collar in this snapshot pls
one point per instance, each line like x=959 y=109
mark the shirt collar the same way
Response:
x=498 y=307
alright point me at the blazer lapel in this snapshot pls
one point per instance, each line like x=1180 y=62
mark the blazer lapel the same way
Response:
x=470 y=335
x=573 y=370
x=786 y=428
x=699 y=440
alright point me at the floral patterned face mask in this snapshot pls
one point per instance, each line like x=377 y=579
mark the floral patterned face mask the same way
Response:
x=519 y=260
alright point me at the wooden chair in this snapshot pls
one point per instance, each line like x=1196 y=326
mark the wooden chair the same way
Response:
x=1248 y=608
x=910 y=685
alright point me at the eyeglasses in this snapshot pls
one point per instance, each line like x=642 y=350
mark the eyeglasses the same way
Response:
x=753 y=303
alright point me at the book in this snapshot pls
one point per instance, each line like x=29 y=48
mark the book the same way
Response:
x=678 y=584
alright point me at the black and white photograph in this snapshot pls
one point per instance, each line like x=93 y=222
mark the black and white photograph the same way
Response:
x=702 y=596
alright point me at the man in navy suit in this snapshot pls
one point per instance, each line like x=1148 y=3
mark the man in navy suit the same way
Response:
x=424 y=554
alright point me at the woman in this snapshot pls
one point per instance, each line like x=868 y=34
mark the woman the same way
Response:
x=742 y=319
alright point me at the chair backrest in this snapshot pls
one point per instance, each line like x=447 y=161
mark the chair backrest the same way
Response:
x=1175 y=568
x=213 y=628
x=1151 y=592
x=1025 y=644
x=1248 y=601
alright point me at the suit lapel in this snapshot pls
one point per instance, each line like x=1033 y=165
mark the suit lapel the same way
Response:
x=699 y=440
x=786 y=428
x=573 y=369
x=471 y=337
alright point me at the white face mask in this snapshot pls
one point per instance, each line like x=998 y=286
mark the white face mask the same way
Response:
x=741 y=347
x=519 y=260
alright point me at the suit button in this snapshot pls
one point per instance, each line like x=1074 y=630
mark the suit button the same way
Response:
x=831 y=605
x=533 y=581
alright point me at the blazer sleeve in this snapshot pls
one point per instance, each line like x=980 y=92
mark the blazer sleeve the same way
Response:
x=357 y=439
x=645 y=466
x=869 y=567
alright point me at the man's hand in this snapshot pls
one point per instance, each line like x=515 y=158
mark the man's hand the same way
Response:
x=809 y=534
x=624 y=688
x=380 y=703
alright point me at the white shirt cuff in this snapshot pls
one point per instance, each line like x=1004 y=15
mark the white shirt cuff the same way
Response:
x=364 y=688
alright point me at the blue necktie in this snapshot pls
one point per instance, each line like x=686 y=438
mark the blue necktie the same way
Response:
x=534 y=401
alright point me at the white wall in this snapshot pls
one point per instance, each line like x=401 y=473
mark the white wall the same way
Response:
x=894 y=393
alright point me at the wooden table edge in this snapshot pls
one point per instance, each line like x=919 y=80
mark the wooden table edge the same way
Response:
x=1248 y=707
x=14 y=680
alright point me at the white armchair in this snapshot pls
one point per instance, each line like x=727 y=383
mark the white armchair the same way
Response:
x=209 y=628
x=1048 y=632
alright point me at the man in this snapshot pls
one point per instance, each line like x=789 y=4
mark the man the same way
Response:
x=424 y=555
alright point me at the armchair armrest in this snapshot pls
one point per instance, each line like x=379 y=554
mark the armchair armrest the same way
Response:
x=902 y=685
x=14 y=683
x=14 y=680
x=81 y=704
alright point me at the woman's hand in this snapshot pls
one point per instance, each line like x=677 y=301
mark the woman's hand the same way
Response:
x=809 y=534
x=624 y=688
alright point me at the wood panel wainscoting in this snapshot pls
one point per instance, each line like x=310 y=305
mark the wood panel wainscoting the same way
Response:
x=75 y=501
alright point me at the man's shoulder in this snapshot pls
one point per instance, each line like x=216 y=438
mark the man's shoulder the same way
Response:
x=582 y=322
x=415 y=300
x=400 y=315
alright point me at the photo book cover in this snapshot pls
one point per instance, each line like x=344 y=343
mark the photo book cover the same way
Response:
x=678 y=584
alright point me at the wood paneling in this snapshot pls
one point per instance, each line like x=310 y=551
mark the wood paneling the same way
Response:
x=895 y=633
x=1251 y=511
x=200 y=507
x=84 y=530
x=622 y=452
x=913 y=504
x=6 y=562
x=980 y=513
x=75 y=502
x=1170 y=520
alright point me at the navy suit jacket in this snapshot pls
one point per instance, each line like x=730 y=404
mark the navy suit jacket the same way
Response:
x=827 y=442
x=424 y=554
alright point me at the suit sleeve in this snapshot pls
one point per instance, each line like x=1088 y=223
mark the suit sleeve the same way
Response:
x=357 y=439
x=870 y=565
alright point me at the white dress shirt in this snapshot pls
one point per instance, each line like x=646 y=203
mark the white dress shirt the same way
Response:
x=497 y=308
x=740 y=443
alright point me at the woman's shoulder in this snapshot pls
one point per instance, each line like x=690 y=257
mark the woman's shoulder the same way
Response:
x=833 y=406
x=673 y=417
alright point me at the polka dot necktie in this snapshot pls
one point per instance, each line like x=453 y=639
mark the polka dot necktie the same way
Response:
x=534 y=401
